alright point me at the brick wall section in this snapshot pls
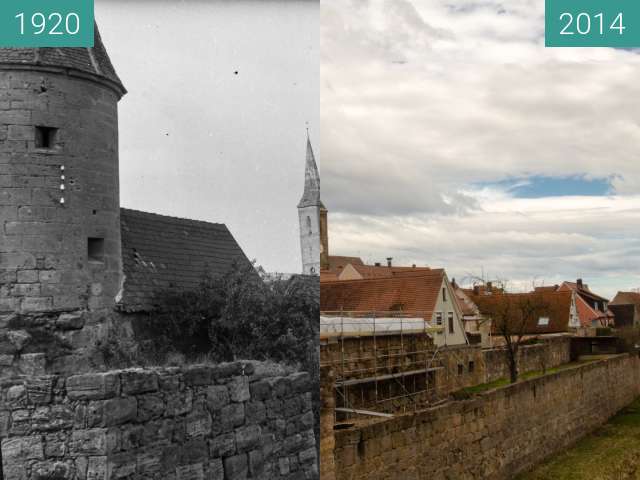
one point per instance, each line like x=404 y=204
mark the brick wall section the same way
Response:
x=44 y=265
x=495 y=435
x=226 y=421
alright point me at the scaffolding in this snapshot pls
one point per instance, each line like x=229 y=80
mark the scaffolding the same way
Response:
x=384 y=362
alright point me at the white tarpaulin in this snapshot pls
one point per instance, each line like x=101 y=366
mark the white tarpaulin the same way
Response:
x=367 y=326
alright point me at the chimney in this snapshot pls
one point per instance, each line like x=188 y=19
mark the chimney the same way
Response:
x=377 y=264
x=579 y=283
x=489 y=286
x=476 y=289
x=389 y=261
x=453 y=282
x=413 y=266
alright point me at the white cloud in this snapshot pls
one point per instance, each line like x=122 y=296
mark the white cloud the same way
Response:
x=420 y=103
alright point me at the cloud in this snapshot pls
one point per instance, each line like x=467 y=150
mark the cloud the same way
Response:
x=423 y=102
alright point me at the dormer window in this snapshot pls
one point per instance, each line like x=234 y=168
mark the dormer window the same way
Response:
x=46 y=137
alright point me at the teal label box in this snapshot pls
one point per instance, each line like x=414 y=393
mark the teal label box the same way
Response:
x=592 y=23
x=46 y=23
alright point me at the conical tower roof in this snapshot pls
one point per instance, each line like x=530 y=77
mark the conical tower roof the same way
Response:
x=311 y=195
x=93 y=62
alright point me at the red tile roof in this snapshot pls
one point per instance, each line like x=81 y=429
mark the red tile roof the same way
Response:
x=554 y=305
x=373 y=271
x=161 y=252
x=626 y=298
x=415 y=294
x=337 y=262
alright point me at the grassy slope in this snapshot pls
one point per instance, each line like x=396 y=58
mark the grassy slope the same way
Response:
x=610 y=453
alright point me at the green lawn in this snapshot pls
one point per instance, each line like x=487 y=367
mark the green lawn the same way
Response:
x=610 y=453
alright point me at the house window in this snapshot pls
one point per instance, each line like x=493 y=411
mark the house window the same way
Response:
x=46 y=137
x=450 y=320
x=460 y=369
x=95 y=249
x=309 y=225
x=543 y=321
x=444 y=294
x=439 y=321
x=472 y=366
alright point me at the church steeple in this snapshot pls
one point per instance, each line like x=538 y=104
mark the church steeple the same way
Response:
x=311 y=195
x=309 y=211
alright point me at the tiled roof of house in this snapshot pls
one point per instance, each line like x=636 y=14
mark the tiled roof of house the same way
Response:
x=626 y=298
x=410 y=294
x=373 y=271
x=467 y=307
x=94 y=61
x=554 y=305
x=337 y=262
x=583 y=290
x=161 y=252
x=328 y=276
x=588 y=315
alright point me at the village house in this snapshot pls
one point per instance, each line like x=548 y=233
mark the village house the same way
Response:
x=626 y=308
x=477 y=326
x=425 y=294
x=551 y=312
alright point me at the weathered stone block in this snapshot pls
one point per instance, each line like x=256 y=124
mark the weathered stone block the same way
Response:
x=150 y=461
x=198 y=375
x=119 y=410
x=247 y=438
x=255 y=412
x=222 y=445
x=231 y=416
x=40 y=389
x=53 y=470
x=16 y=450
x=139 y=381
x=217 y=397
x=150 y=407
x=179 y=403
x=239 y=389
x=198 y=423
x=236 y=467
x=27 y=276
x=94 y=441
x=70 y=321
x=96 y=468
x=32 y=363
x=260 y=390
x=93 y=386
x=121 y=465
x=190 y=472
x=216 y=470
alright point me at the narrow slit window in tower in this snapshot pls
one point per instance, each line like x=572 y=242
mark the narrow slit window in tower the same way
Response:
x=95 y=249
x=46 y=137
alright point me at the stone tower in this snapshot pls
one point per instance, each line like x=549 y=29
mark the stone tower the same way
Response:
x=309 y=210
x=59 y=201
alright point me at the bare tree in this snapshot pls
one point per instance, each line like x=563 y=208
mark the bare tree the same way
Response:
x=513 y=315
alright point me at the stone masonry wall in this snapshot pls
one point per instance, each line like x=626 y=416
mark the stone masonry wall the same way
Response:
x=44 y=243
x=327 y=440
x=551 y=352
x=495 y=435
x=226 y=421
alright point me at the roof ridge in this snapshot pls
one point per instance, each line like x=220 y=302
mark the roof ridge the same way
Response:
x=205 y=222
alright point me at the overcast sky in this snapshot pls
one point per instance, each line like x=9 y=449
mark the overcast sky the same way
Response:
x=213 y=126
x=453 y=138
